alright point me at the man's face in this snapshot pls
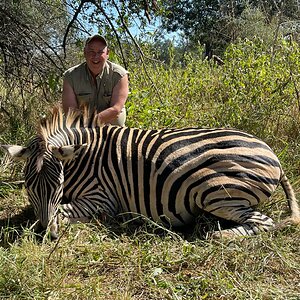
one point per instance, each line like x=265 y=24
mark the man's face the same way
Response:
x=96 y=54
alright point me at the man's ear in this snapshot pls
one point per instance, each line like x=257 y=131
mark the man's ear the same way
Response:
x=67 y=152
x=17 y=152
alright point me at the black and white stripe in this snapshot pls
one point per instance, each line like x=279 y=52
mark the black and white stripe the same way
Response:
x=167 y=175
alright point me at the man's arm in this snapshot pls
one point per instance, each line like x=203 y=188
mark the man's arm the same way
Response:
x=68 y=97
x=118 y=99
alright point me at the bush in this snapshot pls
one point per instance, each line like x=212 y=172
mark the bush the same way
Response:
x=256 y=90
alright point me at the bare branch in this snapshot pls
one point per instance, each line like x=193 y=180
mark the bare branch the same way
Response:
x=138 y=47
x=28 y=36
x=74 y=19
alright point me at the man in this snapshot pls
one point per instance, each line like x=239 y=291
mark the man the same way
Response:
x=101 y=84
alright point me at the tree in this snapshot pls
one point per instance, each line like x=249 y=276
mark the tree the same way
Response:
x=29 y=40
x=39 y=39
x=31 y=61
x=39 y=35
x=215 y=23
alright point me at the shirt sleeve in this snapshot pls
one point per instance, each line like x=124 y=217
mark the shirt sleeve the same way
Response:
x=68 y=77
x=118 y=73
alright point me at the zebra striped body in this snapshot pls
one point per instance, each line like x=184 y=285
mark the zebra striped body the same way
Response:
x=168 y=175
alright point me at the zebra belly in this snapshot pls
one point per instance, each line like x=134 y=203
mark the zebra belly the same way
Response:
x=178 y=218
x=178 y=198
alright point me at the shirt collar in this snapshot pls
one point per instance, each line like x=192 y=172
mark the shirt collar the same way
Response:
x=100 y=75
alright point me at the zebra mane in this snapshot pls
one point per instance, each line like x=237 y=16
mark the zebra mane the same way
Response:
x=57 y=122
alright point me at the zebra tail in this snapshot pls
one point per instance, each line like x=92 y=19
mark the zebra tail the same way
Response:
x=292 y=202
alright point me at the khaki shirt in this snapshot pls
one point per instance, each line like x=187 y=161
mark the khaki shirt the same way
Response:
x=87 y=92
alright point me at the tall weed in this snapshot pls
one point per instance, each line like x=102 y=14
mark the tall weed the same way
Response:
x=256 y=90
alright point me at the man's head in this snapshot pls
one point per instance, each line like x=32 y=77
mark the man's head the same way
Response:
x=96 y=53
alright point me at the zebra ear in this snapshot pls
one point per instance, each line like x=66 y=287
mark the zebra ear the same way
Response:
x=17 y=152
x=67 y=152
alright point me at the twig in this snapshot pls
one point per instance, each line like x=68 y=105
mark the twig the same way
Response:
x=74 y=19
x=114 y=30
x=58 y=241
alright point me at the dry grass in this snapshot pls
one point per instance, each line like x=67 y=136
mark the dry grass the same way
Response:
x=93 y=261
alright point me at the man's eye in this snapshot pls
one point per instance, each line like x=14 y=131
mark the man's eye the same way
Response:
x=93 y=53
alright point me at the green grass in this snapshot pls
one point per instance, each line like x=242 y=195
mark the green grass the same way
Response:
x=123 y=261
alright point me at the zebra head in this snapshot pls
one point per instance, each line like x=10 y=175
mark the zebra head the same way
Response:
x=44 y=179
x=45 y=156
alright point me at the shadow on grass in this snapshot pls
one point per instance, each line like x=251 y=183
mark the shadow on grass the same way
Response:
x=12 y=227
x=200 y=229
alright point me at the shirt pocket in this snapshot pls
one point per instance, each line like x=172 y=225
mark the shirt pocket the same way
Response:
x=84 y=98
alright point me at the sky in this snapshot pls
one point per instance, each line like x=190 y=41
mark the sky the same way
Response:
x=151 y=29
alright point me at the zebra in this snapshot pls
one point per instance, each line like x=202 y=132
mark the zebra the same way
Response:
x=76 y=168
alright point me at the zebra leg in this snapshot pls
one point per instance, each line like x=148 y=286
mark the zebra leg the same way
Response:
x=73 y=213
x=84 y=210
x=251 y=222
